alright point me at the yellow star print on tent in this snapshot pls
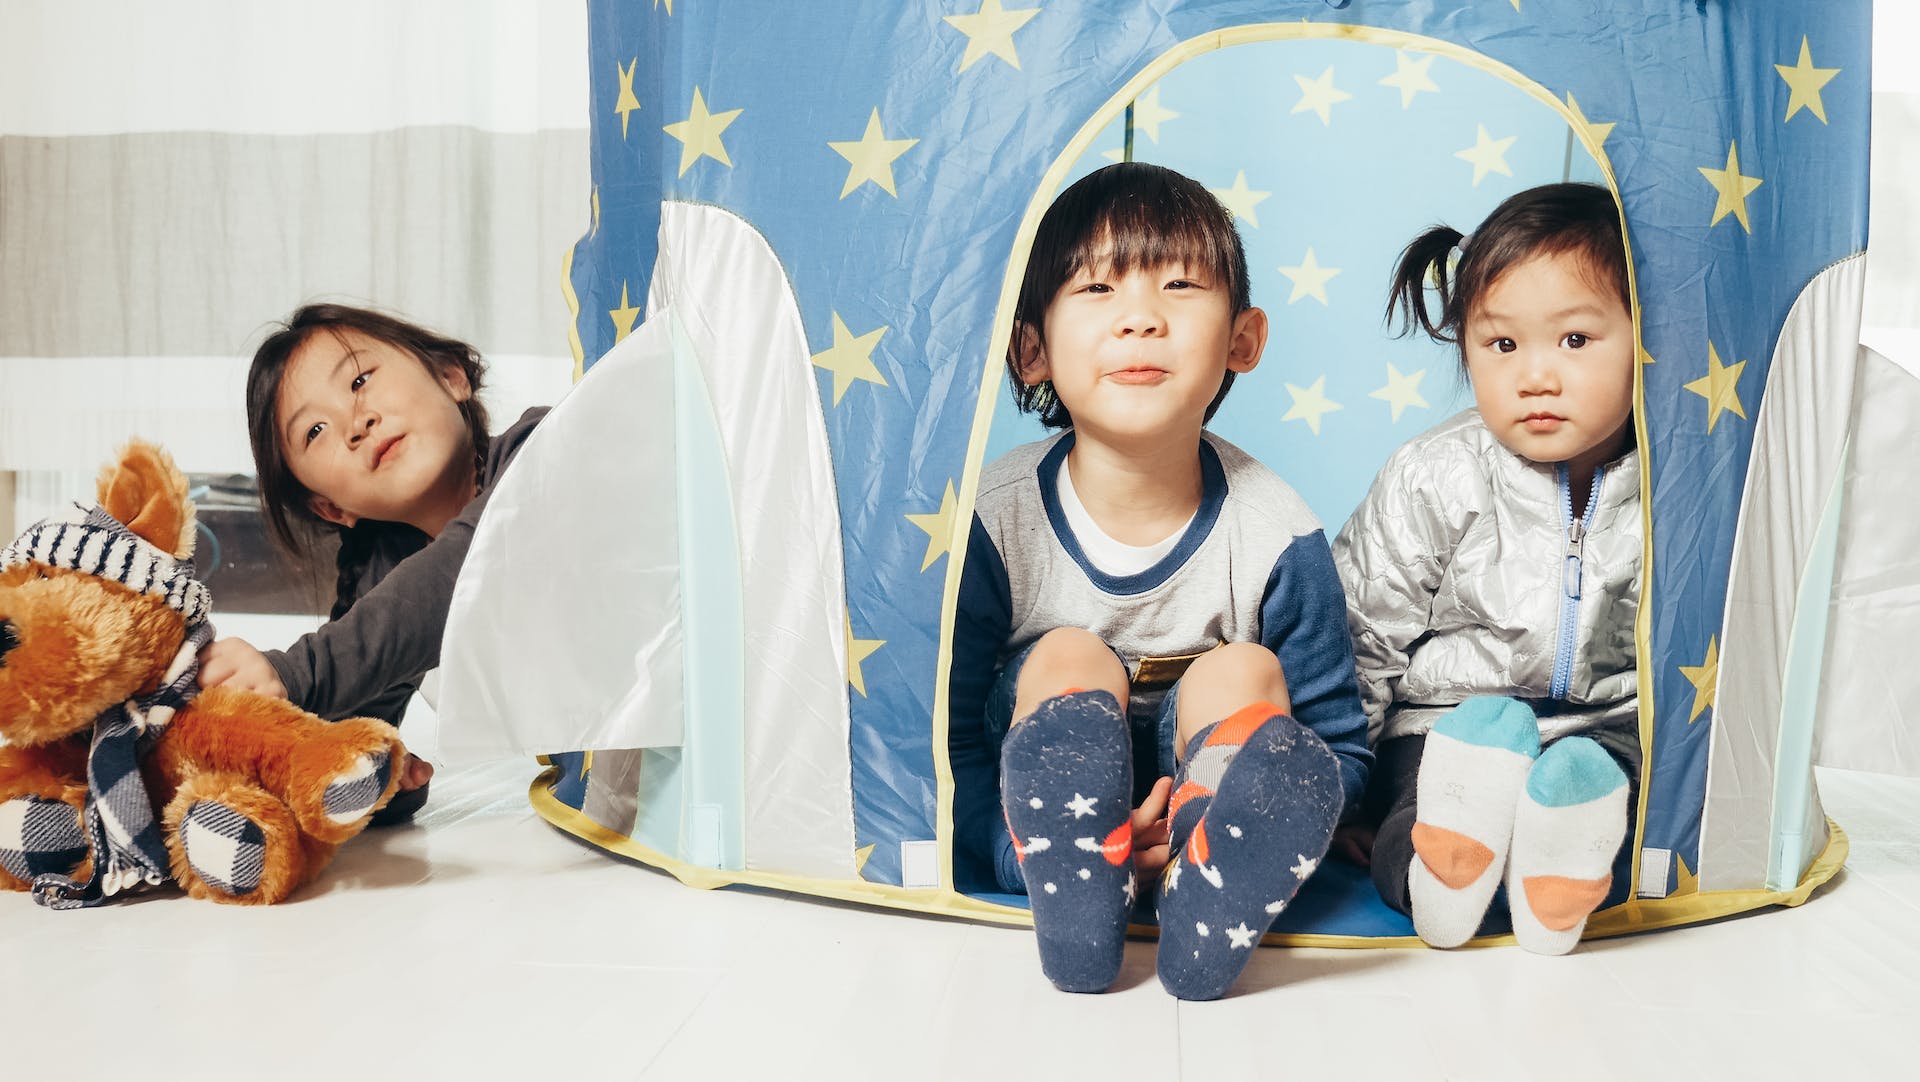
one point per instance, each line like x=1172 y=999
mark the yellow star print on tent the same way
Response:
x=626 y=103
x=1720 y=387
x=939 y=527
x=1596 y=133
x=1242 y=200
x=1310 y=404
x=623 y=316
x=858 y=651
x=989 y=32
x=1401 y=392
x=850 y=358
x=1805 y=81
x=1318 y=95
x=871 y=157
x=1688 y=880
x=1149 y=114
x=1487 y=155
x=699 y=134
x=1309 y=279
x=1411 y=77
x=1703 y=677
x=1733 y=189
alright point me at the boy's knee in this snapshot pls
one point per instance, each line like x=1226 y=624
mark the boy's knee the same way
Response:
x=1069 y=657
x=1247 y=665
x=1073 y=648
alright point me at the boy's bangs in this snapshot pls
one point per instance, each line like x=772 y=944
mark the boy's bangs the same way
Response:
x=1137 y=235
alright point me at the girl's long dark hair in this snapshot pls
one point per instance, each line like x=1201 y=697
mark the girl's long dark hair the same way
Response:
x=1548 y=220
x=285 y=503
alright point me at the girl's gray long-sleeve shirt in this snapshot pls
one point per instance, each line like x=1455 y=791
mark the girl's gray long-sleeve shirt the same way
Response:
x=369 y=661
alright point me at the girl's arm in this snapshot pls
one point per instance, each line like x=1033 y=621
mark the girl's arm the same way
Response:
x=391 y=635
x=980 y=628
x=1391 y=556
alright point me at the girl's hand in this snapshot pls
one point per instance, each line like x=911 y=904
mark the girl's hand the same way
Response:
x=236 y=663
x=1150 y=850
x=415 y=773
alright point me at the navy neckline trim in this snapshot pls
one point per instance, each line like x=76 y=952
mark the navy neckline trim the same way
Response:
x=1213 y=496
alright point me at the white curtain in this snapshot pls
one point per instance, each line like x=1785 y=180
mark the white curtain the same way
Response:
x=174 y=177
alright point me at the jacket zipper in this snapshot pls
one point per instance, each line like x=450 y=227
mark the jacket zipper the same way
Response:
x=1570 y=575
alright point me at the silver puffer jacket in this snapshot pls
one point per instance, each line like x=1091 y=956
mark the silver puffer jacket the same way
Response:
x=1465 y=575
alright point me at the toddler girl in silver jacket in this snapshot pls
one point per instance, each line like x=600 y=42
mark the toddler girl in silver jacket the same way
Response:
x=1492 y=578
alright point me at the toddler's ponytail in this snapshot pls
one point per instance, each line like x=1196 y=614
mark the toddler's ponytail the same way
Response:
x=1428 y=258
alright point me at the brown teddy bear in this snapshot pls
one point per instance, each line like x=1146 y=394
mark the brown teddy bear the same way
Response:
x=114 y=774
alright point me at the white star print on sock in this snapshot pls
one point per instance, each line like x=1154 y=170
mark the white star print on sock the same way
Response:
x=1305 y=867
x=1082 y=806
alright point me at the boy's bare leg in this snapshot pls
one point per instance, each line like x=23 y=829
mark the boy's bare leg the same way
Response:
x=1222 y=681
x=1068 y=658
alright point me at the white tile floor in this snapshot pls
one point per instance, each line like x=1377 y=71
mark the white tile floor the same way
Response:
x=482 y=943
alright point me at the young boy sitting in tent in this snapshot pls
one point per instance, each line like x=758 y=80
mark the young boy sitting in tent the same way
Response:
x=1142 y=599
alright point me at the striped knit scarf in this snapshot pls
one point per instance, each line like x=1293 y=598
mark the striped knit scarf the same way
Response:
x=128 y=850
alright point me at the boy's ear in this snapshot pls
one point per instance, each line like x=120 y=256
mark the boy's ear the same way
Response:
x=1030 y=354
x=332 y=512
x=1248 y=341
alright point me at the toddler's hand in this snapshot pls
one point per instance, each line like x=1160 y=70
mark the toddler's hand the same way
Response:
x=236 y=662
x=1353 y=843
x=1150 y=833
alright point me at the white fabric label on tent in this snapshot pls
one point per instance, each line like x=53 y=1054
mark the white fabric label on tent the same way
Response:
x=564 y=630
x=919 y=864
x=1655 y=866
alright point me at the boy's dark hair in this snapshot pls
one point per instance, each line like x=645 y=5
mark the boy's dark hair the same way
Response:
x=284 y=502
x=1134 y=215
x=1549 y=220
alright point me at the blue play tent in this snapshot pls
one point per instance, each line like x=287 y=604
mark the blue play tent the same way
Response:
x=728 y=562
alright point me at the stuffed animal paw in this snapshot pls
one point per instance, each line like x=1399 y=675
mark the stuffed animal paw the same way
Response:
x=116 y=774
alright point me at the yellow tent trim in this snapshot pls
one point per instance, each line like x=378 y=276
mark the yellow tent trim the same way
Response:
x=573 y=317
x=1050 y=183
x=1638 y=915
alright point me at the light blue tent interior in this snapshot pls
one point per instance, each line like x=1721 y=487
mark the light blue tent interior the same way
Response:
x=795 y=293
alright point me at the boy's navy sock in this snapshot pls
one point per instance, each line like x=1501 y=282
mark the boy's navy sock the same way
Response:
x=1207 y=756
x=1264 y=831
x=1066 y=773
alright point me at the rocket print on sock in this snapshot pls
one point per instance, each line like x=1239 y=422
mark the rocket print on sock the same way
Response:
x=1116 y=848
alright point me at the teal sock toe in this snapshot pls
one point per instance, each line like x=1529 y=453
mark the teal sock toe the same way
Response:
x=1492 y=721
x=1574 y=771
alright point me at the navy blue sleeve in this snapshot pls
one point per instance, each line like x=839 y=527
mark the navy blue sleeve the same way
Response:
x=983 y=850
x=1303 y=620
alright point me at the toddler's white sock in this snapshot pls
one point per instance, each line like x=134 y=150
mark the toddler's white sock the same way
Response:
x=1471 y=773
x=1567 y=829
